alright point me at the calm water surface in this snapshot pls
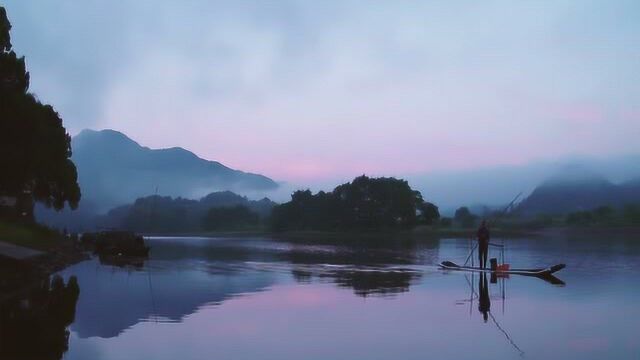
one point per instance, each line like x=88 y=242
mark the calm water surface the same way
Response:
x=218 y=298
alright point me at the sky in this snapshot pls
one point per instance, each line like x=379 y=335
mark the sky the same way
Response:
x=305 y=91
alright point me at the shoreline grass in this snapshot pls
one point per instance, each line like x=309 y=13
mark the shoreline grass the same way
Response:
x=34 y=236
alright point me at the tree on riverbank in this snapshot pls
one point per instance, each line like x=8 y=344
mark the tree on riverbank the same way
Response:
x=164 y=214
x=464 y=217
x=364 y=203
x=230 y=218
x=35 y=148
x=629 y=215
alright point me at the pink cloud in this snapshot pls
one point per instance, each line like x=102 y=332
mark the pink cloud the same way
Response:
x=581 y=113
x=589 y=344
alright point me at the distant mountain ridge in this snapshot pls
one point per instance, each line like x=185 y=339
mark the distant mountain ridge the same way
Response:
x=560 y=195
x=114 y=170
x=496 y=186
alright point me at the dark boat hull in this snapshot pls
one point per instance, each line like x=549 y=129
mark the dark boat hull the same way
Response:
x=539 y=272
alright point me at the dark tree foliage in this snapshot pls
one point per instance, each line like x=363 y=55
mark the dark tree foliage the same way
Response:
x=230 y=218
x=364 y=203
x=631 y=213
x=429 y=213
x=35 y=148
x=580 y=218
x=165 y=214
x=605 y=215
x=446 y=222
x=464 y=217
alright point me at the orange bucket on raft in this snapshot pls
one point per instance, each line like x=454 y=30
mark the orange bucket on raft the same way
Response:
x=502 y=267
x=498 y=268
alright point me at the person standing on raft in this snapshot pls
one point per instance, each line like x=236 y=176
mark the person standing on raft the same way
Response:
x=483 y=244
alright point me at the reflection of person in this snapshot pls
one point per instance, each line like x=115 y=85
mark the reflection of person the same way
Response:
x=484 y=303
x=483 y=244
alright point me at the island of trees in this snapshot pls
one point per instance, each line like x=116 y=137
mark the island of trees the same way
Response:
x=362 y=204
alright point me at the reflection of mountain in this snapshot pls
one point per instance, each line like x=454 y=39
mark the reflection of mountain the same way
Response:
x=113 y=300
x=35 y=326
x=182 y=275
x=165 y=294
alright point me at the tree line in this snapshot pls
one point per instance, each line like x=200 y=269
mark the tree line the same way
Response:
x=605 y=215
x=223 y=210
x=364 y=203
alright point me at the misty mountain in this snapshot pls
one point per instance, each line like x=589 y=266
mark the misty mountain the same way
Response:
x=565 y=194
x=166 y=214
x=114 y=170
x=497 y=186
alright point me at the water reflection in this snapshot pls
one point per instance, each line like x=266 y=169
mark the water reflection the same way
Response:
x=365 y=281
x=34 y=326
x=115 y=299
x=182 y=277
x=294 y=300
x=369 y=269
x=484 y=302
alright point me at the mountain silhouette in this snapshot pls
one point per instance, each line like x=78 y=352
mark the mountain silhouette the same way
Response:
x=114 y=170
x=578 y=190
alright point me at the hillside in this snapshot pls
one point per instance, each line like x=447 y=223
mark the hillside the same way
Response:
x=114 y=170
x=496 y=186
x=562 y=195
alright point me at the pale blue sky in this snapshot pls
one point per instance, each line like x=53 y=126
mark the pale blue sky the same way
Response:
x=308 y=90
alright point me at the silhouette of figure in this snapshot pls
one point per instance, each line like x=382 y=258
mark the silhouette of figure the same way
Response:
x=484 y=303
x=483 y=244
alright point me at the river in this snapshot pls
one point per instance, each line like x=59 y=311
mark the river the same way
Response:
x=256 y=298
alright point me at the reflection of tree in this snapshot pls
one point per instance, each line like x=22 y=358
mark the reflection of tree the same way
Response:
x=366 y=281
x=302 y=276
x=35 y=326
x=382 y=282
x=370 y=269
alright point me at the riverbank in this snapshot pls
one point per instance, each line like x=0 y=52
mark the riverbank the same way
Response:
x=33 y=252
